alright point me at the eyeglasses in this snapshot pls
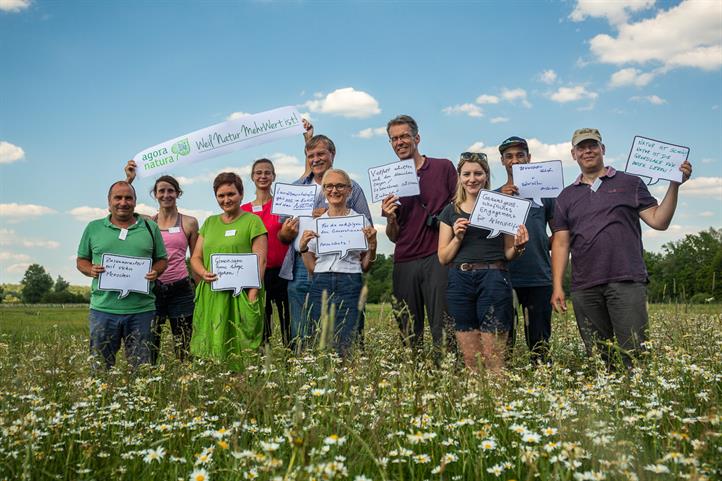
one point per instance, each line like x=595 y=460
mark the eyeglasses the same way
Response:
x=473 y=156
x=330 y=187
x=405 y=136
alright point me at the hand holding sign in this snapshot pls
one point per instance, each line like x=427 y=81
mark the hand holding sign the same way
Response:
x=294 y=200
x=539 y=180
x=235 y=272
x=499 y=213
x=340 y=234
x=304 y=224
x=656 y=160
x=398 y=178
x=125 y=274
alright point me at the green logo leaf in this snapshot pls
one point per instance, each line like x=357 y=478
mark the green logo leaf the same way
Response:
x=182 y=147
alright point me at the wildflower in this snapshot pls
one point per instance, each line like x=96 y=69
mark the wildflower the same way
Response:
x=205 y=457
x=199 y=475
x=362 y=477
x=222 y=444
x=335 y=439
x=496 y=470
x=422 y=459
x=154 y=455
x=657 y=468
x=530 y=438
x=549 y=431
x=269 y=447
x=488 y=444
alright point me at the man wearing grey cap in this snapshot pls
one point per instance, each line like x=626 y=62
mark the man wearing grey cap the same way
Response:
x=597 y=218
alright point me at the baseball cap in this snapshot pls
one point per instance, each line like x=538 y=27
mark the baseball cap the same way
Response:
x=586 y=134
x=512 y=142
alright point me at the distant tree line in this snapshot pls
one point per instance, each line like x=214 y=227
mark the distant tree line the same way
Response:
x=38 y=287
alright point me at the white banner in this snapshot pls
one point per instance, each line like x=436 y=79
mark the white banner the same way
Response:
x=219 y=139
x=235 y=271
x=125 y=274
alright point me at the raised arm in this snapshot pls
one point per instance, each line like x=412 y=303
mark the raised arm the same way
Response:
x=660 y=216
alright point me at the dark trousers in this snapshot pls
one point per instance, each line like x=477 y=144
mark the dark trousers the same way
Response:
x=615 y=310
x=276 y=293
x=421 y=284
x=537 y=311
x=181 y=328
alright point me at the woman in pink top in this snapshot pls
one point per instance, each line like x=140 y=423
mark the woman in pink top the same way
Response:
x=263 y=174
x=174 y=290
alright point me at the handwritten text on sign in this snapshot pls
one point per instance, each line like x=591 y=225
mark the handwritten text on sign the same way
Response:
x=340 y=234
x=499 y=212
x=219 y=139
x=304 y=224
x=398 y=178
x=235 y=271
x=656 y=160
x=125 y=274
x=294 y=200
x=539 y=180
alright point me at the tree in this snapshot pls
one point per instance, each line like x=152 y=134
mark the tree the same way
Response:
x=61 y=284
x=378 y=279
x=36 y=283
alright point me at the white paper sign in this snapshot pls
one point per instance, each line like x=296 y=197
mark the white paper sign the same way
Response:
x=499 y=213
x=294 y=200
x=304 y=224
x=656 y=160
x=125 y=274
x=219 y=139
x=398 y=178
x=340 y=234
x=540 y=180
x=235 y=272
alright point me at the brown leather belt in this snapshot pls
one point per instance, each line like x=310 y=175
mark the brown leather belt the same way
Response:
x=475 y=266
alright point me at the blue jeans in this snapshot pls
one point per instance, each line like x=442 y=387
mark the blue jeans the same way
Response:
x=297 y=298
x=107 y=331
x=342 y=291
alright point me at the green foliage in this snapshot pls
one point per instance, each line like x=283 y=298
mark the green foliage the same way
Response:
x=36 y=283
x=378 y=279
x=61 y=285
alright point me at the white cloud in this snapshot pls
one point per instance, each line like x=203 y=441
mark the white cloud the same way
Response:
x=487 y=99
x=10 y=237
x=630 y=76
x=12 y=256
x=686 y=35
x=707 y=213
x=22 y=211
x=145 y=209
x=498 y=120
x=652 y=99
x=18 y=268
x=199 y=214
x=10 y=153
x=539 y=151
x=710 y=187
x=14 y=5
x=370 y=132
x=616 y=12
x=469 y=109
x=573 y=94
x=346 y=102
x=86 y=214
x=514 y=95
x=237 y=115
x=707 y=160
x=548 y=76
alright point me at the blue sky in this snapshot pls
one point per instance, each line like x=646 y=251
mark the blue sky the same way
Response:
x=84 y=86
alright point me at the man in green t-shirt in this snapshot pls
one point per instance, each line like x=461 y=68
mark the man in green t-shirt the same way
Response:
x=121 y=316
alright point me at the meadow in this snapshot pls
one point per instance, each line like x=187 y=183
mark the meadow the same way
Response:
x=384 y=415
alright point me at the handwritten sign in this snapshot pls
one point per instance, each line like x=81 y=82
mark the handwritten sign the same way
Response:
x=398 y=178
x=235 y=271
x=499 y=213
x=219 y=139
x=294 y=200
x=656 y=160
x=540 y=180
x=304 y=223
x=125 y=274
x=340 y=234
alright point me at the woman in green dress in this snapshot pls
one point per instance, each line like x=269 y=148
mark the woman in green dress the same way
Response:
x=225 y=326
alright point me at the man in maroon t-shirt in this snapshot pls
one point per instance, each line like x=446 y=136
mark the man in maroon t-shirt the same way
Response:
x=597 y=217
x=419 y=280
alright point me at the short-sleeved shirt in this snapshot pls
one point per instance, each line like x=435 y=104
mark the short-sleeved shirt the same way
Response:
x=604 y=230
x=350 y=264
x=356 y=201
x=276 y=248
x=103 y=237
x=233 y=238
x=437 y=183
x=533 y=268
x=475 y=247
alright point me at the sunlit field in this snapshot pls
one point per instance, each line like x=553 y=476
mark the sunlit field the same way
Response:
x=381 y=416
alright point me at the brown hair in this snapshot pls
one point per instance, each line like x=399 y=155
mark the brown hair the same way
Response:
x=263 y=161
x=404 y=120
x=168 y=179
x=476 y=158
x=316 y=139
x=228 y=178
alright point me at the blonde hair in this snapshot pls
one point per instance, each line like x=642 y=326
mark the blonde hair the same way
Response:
x=470 y=157
x=340 y=172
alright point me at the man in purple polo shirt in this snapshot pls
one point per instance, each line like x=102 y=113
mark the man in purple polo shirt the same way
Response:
x=419 y=280
x=598 y=218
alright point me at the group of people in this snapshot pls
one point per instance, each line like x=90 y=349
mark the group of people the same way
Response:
x=445 y=269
